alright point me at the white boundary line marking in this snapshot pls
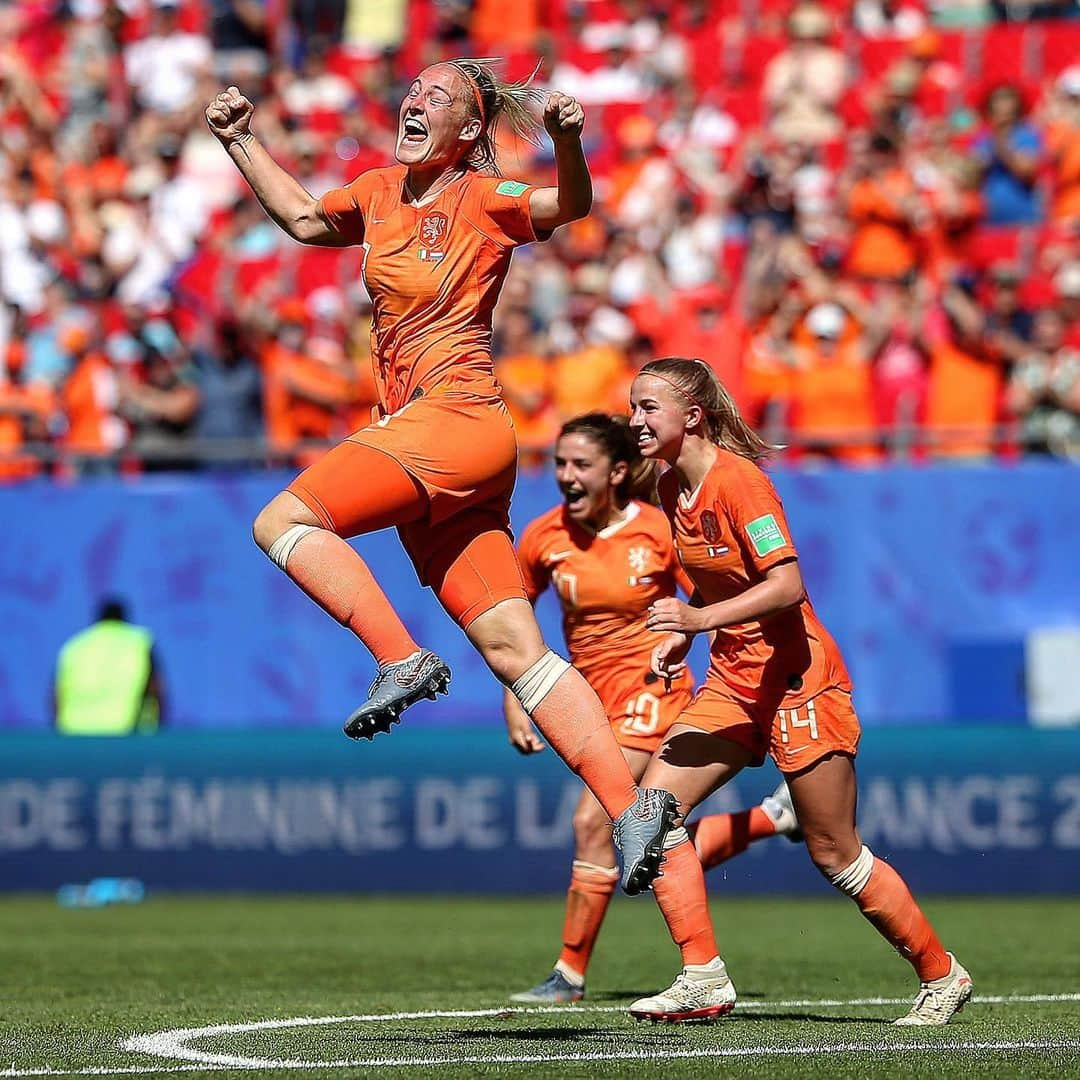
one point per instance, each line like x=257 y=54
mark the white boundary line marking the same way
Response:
x=172 y=1044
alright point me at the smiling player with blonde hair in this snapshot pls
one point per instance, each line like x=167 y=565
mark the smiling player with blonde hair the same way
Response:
x=438 y=230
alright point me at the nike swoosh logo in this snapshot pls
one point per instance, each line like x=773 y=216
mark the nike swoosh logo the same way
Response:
x=558 y=556
x=799 y=749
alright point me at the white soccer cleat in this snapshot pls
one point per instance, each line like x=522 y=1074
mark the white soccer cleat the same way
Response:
x=781 y=812
x=940 y=1000
x=699 y=993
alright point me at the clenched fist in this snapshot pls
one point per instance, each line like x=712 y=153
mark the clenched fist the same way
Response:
x=229 y=115
x=563 y=116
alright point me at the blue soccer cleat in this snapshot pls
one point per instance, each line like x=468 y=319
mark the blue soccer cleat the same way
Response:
x=396 y=687
x=639 y=834
x=555 y=989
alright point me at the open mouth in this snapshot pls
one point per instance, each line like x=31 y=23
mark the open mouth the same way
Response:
x=412 y=131
x=573 y=496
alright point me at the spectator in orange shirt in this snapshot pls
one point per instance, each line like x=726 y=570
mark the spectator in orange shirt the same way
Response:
x=586 y=374
x=885 y=209
x=966 y=380
x=525 y=375
x=89 y=397
x=1063 y=143
x=25 y=411
x=306 y=392
x=833 y=411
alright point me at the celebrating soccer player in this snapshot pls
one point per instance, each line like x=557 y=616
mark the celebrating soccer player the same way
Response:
x=777 y=685
x=438 y=230
x=608 y=553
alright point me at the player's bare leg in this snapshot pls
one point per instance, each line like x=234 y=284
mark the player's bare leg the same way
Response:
x=824 y=797
x=569 y=715
x=593 y=878
x=334 y=575
x=694 y=764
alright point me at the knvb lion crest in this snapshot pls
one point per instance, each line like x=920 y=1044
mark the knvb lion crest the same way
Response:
x=710 y=527
x=433 y=229
x=639 y=559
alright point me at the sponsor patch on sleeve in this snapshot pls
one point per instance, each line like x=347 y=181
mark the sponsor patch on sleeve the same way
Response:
x=765 y=534
x=511 y=187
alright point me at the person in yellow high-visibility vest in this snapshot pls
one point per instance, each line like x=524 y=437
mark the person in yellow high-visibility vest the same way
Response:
x=107 y=679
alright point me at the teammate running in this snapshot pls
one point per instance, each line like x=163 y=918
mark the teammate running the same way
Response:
x=438 y=230
x=777 y=685
x=608 y=554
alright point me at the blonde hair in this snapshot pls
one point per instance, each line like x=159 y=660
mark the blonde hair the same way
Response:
x=698 y=384
x=495 y=101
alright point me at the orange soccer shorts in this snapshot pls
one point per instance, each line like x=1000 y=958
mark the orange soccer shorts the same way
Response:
x=441 y=470
x=794 y=737
x=639 y=707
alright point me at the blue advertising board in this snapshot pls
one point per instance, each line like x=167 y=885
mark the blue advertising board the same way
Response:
x=974 y=810
x=930 y=578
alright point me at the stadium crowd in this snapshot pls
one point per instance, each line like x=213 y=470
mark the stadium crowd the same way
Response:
x=865 y=217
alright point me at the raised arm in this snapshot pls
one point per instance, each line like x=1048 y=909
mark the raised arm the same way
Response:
x=571 y=198
x=282 y=196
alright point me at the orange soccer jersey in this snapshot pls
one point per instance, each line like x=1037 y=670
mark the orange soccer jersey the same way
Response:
x=605 y=582
x=778 y=685
x=434 y=273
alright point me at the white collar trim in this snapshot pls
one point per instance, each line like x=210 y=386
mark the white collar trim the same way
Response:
x=632 y=511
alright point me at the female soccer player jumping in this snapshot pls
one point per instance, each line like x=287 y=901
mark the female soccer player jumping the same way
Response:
x=438 y=230
x=777 y=685
x=609 y=555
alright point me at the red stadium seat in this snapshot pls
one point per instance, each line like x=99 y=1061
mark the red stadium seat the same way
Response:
x=876 y=56
x=1008 y=53
x=1002 y=244
x=1060 y=45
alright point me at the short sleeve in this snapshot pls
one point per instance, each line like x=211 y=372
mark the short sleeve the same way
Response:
x=533 y=572
x=503 y=210
x=757 y=517
x=343 y=208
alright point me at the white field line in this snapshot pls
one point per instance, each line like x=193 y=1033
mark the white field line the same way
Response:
x=935 y=1046
x=172 y=1044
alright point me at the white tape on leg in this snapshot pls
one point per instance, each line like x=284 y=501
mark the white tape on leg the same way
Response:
x=282 y=547
x=852 y=879
x=538 y=681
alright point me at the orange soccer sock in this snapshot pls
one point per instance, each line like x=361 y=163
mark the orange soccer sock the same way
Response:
x=587 y=899
x=680 y=892
x=575 y=725
x=339 y=581
x=720 y=837
x=886 y=901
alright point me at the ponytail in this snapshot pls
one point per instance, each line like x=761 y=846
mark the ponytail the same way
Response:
x=698 y=384
x=612 y=434
x=494 y=101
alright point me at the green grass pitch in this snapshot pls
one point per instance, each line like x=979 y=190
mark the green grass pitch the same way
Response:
x=74 y=985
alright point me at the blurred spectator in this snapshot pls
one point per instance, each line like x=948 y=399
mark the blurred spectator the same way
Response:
x=1011 y=151
x=162 y=404
x=230 y=388
x=1063 y=144
x=307 y=392
x=1008 y=323
x=165 y=67
x=804 y=84
x=108 y=679
x=240 y=34
x=526 y=376
x=884 y=208
x=888 y=18
x=1044 y=392
x=740 y=181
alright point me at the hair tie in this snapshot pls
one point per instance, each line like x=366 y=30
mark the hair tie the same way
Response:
x=475 y=86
